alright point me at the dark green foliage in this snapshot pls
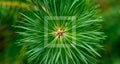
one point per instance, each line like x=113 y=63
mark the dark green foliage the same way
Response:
x=9 y=13
x=111 y=24
x=73 y=39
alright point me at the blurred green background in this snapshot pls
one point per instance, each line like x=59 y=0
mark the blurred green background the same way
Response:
x=10 y=53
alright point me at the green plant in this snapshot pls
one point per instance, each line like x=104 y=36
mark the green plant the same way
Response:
x=111 y=15
x=9 y=10
x=61 y=32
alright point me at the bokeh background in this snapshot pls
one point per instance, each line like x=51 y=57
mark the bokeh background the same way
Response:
x=10 y=10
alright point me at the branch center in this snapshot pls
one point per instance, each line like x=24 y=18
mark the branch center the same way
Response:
x=59 y=32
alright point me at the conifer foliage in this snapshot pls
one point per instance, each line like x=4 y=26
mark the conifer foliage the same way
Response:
x=61 y=32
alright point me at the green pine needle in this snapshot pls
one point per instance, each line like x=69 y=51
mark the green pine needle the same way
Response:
x=61 y=32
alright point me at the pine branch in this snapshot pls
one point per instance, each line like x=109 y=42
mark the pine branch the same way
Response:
x=14 y=4
x=61 y=32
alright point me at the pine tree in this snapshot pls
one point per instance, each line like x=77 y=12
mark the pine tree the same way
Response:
x=61 y=32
